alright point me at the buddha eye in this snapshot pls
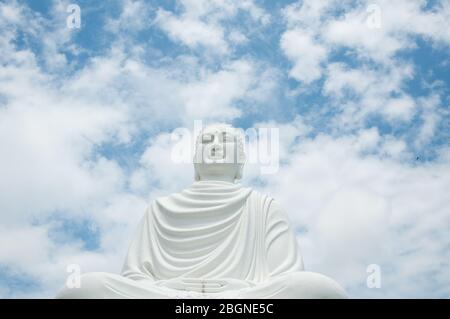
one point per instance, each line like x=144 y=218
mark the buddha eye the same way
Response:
x=207 y=138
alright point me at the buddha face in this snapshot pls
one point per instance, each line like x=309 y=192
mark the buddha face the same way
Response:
x=219 y=154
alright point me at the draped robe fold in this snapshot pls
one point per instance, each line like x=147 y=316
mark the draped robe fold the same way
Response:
x=213 y=240
x=212 y=230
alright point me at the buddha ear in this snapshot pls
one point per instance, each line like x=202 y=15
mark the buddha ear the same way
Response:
x=196 y=176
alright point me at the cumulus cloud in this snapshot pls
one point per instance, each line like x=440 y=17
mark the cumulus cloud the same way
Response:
x=360 y=62
x=200 y=25
x=348 y=24
x=376 y=91
x=355 y=205
x=400 y=22
x=306 y=54
x=192 y=32
x=133 y=17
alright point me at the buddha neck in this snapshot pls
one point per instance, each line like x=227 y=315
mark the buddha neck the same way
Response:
x=220 y=178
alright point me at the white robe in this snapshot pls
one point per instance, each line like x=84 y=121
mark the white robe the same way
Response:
x=212 y=240
x=213 y=230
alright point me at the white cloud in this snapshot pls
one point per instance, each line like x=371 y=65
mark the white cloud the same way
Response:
x=305 y=53
x=373 y=92
x=202 y=24
x=317 y=30
x=192 y=32
x=237 y=37
x=360 y=208
x=11 y=13
x=213 y=95
x=133 y=17
x=431 y=117
x=49 y=164
x=159 y=167
x=179 y=92
x=399 y=108
x=400 y=21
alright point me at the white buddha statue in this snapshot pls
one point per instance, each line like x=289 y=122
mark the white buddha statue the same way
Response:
x=215 y=239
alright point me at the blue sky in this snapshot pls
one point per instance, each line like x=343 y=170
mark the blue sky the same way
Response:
x=363 y=113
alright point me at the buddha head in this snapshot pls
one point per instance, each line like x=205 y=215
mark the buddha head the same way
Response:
x=219 y=154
